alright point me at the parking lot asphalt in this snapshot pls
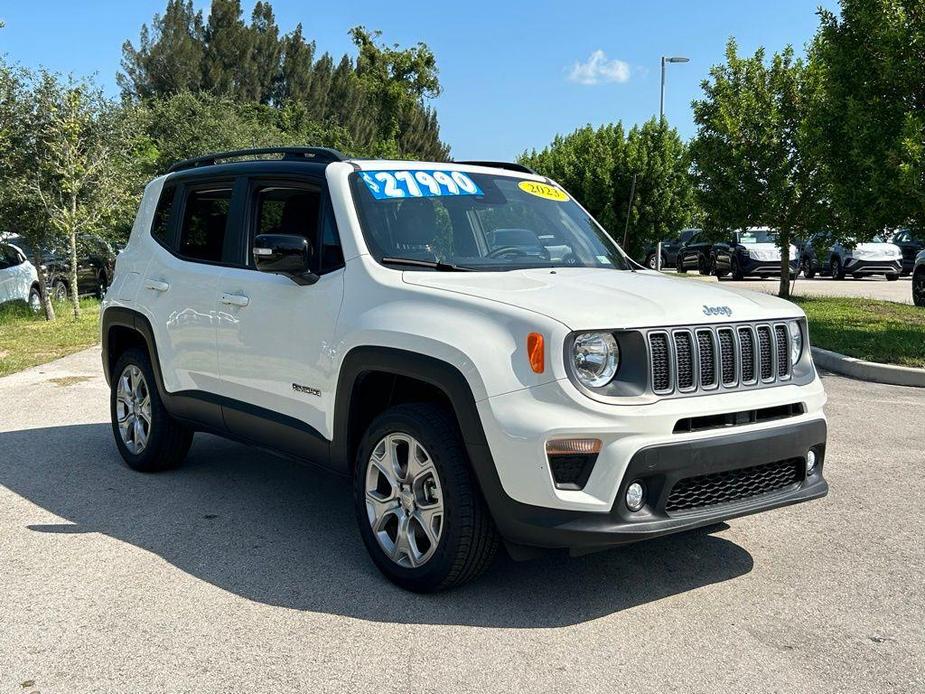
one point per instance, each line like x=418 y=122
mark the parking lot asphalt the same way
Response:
x=877 y=287
x=245 y=572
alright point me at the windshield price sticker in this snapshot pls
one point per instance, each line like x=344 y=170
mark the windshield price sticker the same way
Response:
x=388 y=185
x=541 y=190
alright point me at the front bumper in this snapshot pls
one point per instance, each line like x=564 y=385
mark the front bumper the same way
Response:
x=751 y=266
x=660 y=467
x=872 y=267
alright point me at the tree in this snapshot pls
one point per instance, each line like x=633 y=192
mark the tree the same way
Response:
x=597 y=167
x=870 y=58
x=79 y=171
x=754 y=154
x=169 y=58
x=380 y=98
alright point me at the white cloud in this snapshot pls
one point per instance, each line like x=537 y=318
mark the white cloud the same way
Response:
x=597 y=69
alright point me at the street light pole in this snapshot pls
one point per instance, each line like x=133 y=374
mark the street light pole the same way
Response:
x=661 y=101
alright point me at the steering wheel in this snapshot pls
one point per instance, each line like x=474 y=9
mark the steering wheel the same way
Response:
x=514 y=251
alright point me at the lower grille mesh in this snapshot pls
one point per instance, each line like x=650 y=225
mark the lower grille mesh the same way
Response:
x=733 y=485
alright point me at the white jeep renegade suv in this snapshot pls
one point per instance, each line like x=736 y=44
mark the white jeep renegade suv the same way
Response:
x=466 y=344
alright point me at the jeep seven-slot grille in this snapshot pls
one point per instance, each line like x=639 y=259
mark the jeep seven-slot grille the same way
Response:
x=733 y=485
x=691 y=359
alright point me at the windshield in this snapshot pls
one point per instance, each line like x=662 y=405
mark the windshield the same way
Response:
x=758 y=236
x=477 y=221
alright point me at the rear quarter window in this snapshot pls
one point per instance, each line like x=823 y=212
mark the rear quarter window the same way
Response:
x=160 y=224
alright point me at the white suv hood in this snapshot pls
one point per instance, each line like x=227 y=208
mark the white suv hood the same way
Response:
x=767 y=251
x=589 y=298
x=875 y=251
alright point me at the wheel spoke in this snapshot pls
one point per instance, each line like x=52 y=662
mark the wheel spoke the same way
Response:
x=403 y=542
x=379 y=509
x=418 y=463
x=145 y=410
x=429 y=519
x=139 y=434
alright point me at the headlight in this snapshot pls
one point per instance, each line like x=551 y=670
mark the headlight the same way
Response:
x=796 y=341
x=595 y=357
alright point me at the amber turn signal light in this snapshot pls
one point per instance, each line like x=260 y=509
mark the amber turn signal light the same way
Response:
x=557 y=447
x=536 y=352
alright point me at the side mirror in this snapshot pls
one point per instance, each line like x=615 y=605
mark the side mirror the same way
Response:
x=285 y=254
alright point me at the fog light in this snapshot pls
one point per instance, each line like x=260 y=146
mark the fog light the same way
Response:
x=810 y=461
x=635 y=496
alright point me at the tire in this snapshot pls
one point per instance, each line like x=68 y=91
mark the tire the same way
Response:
x=167 y=441
x=703 y=266
x=808 y=271
x=651 y=261
x=466 y=538
x=680 y=265
x=59 y=291
x=918 y=288
x=892 y=277
x=35 y=299
x=837 y=271
x=736 y=269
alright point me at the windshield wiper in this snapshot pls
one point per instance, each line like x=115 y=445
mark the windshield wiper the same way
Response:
x=432 y=264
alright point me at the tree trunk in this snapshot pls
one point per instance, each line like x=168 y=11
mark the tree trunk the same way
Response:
x=43 y=287
x=784 y=240
x=72 y=240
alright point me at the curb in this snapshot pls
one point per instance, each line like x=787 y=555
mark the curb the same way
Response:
x=868 y=370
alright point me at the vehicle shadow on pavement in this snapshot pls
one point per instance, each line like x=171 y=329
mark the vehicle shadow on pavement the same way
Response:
x=283 y=534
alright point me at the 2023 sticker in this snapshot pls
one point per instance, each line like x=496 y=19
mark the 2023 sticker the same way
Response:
x=541 y=190
x=388 y=185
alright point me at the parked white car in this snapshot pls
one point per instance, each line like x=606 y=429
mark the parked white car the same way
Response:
x=19 y=280
x=463 y=342
x=877 y=257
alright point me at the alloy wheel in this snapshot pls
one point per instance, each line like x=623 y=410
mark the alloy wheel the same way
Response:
x=133 y=409
x=404 y=500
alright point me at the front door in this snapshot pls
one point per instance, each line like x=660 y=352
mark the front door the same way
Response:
x=275 y=337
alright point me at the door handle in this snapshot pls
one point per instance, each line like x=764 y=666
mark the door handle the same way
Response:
x=235 y=299
x=157 y=285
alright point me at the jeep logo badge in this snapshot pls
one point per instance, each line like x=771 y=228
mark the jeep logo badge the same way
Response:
x=717 y=311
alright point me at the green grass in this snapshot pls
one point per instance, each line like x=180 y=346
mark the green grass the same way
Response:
x=881 y=331
x=28 y=340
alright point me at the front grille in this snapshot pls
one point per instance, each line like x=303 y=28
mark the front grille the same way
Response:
x=733 y=485
x=783 y=354
x=747 y=350
x=689 y=360
x=685 y=350
x=661 y=362
x=707 y=358
x=765 y=360
x=727 y=355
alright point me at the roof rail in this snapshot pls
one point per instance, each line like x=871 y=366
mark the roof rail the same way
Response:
x=509 y=165
x=316 y=154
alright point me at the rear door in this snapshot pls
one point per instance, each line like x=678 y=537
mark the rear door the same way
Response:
x=194 y=230
x=275 y=337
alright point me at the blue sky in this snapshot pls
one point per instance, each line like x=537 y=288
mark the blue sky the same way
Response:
x=514 y=73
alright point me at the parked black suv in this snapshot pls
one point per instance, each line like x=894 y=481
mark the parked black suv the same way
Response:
x=95 y=262
x=910 y=244
x=670 y=249
x=695 y=254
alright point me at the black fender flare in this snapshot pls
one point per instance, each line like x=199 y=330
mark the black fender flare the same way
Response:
x=448 y=379
x=129 y=318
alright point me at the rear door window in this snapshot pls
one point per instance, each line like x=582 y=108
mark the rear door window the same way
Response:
x=205 y=224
